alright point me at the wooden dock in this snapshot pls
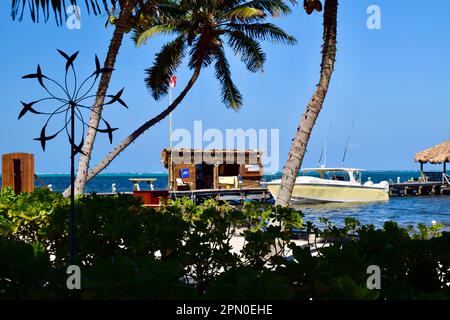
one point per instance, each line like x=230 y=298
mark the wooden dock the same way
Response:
x=232 y=195
x=416 y=188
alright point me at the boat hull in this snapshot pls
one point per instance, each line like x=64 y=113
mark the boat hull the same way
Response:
x=304 y=193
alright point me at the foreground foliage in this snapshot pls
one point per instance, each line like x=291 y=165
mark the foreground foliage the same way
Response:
x=184 y=251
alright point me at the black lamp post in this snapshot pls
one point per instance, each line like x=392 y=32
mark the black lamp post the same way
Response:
x=72 y=103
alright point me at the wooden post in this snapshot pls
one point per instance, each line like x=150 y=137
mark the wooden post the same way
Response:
x=421 y=171
x=216 y=176
x=443 y=173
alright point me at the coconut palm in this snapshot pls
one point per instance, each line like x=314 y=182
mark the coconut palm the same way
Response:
x=137 y=13
x=308 y=119
x=202 y=28
x=126 y=18
x=122 y=25
x=131 y=13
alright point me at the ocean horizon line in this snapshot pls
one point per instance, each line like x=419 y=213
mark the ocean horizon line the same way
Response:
x=165 y=173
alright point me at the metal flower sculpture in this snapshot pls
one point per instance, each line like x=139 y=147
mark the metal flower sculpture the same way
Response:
x=71 y=102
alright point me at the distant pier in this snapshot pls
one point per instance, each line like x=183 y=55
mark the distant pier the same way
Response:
x=416 y=188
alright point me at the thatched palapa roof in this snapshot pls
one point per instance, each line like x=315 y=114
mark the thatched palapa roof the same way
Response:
x=437 y=154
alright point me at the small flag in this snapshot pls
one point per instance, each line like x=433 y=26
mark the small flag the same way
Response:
x=173 y=81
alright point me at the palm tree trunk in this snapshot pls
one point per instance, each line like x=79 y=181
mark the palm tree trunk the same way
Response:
x=307 y=121
x=128 y=140
x=116 y=41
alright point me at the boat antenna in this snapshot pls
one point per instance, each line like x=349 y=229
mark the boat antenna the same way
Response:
x=348 y=142
x=323 y=154
x=320 y=159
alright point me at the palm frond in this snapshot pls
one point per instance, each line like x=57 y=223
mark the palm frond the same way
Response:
x=141 y=37
x=231 y=96
x=249 y=50
x=243 y=14
x=165 y=65
x=263 y=31
x=204 y=26
x=58 y=7
x=272 y=7
x=203 y=50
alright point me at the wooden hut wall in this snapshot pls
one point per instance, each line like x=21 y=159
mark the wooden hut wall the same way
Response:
x=177 y=173
x=251 y=175
x=22 y=164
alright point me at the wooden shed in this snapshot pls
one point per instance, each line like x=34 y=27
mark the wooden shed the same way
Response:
x=18 y=172
x=194 y=169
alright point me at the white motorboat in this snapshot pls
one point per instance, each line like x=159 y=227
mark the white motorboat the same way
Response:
x=318 y=185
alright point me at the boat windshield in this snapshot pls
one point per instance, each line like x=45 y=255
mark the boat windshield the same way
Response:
x=337 y=175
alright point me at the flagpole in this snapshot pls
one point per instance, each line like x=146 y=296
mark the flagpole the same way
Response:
x=172 y=84
x=170 y=118
x=170 y=142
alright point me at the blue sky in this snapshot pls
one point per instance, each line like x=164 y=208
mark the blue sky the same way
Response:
x=392 y=82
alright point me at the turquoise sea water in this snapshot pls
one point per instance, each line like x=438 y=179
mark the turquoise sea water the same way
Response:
x=404 y=210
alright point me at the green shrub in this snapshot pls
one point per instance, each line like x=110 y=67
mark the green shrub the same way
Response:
x=183 y=251
x=27 y=274
x=26 y=216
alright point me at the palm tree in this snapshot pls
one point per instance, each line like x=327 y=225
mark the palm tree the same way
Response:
x=129 y=11
x=202 y=28
x=308 y=119
x=122 y=25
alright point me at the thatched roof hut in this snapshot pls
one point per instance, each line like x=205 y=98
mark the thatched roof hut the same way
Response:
x=436 y=154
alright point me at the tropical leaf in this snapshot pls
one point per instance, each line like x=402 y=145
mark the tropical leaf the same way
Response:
x=244 y=14
x=201 y=26
x=141 y=38
x=166 y=62
x=203 y=49
x=231 y=96
x=264 y=31
x=272 y=7
x=58 y=7
x=250 y=50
